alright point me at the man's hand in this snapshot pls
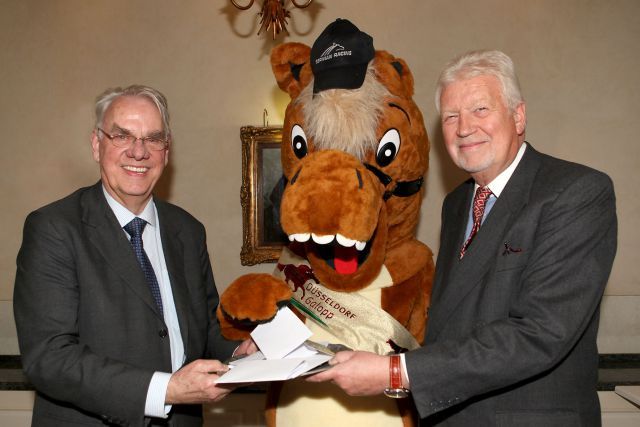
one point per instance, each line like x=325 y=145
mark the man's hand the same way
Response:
x=195 y=383
x=246 y=347
x=358 y=373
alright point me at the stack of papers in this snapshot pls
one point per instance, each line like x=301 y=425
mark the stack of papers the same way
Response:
x=283 y=353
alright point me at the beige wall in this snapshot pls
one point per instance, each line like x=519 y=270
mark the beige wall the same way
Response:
x=578 y=63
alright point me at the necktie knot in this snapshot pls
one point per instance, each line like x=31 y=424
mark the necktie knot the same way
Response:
x=135 y=227
x=479 y=202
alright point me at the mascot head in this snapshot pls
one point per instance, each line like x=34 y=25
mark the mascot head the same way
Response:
x=354 y=153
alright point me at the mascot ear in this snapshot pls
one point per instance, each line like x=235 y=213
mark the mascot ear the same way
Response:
x=394 y=73
x=290 y=65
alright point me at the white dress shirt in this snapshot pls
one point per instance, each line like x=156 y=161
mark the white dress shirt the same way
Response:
x=154 y=406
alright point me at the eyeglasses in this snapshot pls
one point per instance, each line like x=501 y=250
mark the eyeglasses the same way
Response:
x=125 y=140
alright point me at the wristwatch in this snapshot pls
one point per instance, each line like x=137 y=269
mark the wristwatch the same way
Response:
x=395 y=389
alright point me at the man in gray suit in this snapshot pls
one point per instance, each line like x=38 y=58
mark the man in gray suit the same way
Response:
x=113 y=331
x=520 y=274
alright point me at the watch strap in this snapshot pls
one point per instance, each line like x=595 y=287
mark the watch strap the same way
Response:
x=395 y=389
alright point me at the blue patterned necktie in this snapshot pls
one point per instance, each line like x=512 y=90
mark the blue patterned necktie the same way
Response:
x=135 y=228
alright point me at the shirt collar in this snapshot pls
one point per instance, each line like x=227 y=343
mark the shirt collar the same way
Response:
x=499 y=182
x=125 y=216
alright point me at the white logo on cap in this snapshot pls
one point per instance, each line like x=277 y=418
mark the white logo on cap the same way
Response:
x=333 y=51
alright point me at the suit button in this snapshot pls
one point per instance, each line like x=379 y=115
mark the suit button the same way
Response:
x=163 y=333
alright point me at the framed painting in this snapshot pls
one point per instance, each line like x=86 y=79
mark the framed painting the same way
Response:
x=260 y=194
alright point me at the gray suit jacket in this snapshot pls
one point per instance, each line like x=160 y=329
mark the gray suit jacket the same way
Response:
x=89 y=331
x=511 y=339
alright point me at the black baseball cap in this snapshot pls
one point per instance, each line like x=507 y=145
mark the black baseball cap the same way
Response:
x=339 y=57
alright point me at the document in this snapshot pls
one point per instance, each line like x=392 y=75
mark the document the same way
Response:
x=285 y=353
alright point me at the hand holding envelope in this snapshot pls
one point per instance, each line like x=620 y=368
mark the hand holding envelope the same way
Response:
x=285 y=352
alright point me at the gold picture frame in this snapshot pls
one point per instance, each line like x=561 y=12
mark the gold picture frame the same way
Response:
x=262 y=186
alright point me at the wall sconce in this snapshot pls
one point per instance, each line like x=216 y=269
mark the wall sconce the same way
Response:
x=273 y=14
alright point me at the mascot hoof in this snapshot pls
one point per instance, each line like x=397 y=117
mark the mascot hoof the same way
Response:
x=250 y=300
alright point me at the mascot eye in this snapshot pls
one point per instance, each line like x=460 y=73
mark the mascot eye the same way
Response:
x=388 y=147
x=298 y=141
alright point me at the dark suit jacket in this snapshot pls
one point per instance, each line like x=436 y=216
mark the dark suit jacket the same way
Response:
x=511 y=338
x=89 y=331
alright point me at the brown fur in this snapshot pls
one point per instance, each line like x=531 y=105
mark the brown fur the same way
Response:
x=330 y=191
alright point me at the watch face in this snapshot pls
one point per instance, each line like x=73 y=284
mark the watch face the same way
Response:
x=396 y=393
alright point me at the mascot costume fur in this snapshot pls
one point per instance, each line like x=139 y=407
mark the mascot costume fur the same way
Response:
x=354 y=153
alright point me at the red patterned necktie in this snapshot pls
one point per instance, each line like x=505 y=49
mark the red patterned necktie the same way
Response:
x=479 y=201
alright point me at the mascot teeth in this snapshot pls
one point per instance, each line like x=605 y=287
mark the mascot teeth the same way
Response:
x=326 y=239
x=300 y=237
x=322 y=240
x=345 y=241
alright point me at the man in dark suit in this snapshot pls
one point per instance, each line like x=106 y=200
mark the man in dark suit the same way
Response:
x=114 y=331
x=520 y=274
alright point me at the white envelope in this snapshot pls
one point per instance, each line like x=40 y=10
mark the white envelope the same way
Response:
x=282 y=354
x=250 y=371
x=281 y=335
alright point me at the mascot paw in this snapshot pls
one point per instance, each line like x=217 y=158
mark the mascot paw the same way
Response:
x=250 y=300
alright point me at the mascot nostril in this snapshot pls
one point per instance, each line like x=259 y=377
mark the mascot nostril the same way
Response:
x=295 y=177
x=354 y=152
x=360 y=184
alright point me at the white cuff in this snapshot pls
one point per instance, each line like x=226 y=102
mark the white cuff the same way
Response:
x=154 y=406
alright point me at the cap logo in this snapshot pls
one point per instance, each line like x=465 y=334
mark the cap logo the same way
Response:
x=332 y=51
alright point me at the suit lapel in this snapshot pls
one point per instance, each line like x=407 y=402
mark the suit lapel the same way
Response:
x=104 y=232
x=460 y=277
x=454 y=222
x=172 y=246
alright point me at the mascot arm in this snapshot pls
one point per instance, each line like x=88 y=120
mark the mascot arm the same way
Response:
x=407 y=259
x=250 y=300
x=411 y=267
x=419 y=317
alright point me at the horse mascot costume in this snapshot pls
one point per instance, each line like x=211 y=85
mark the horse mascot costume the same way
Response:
x=354 y=155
